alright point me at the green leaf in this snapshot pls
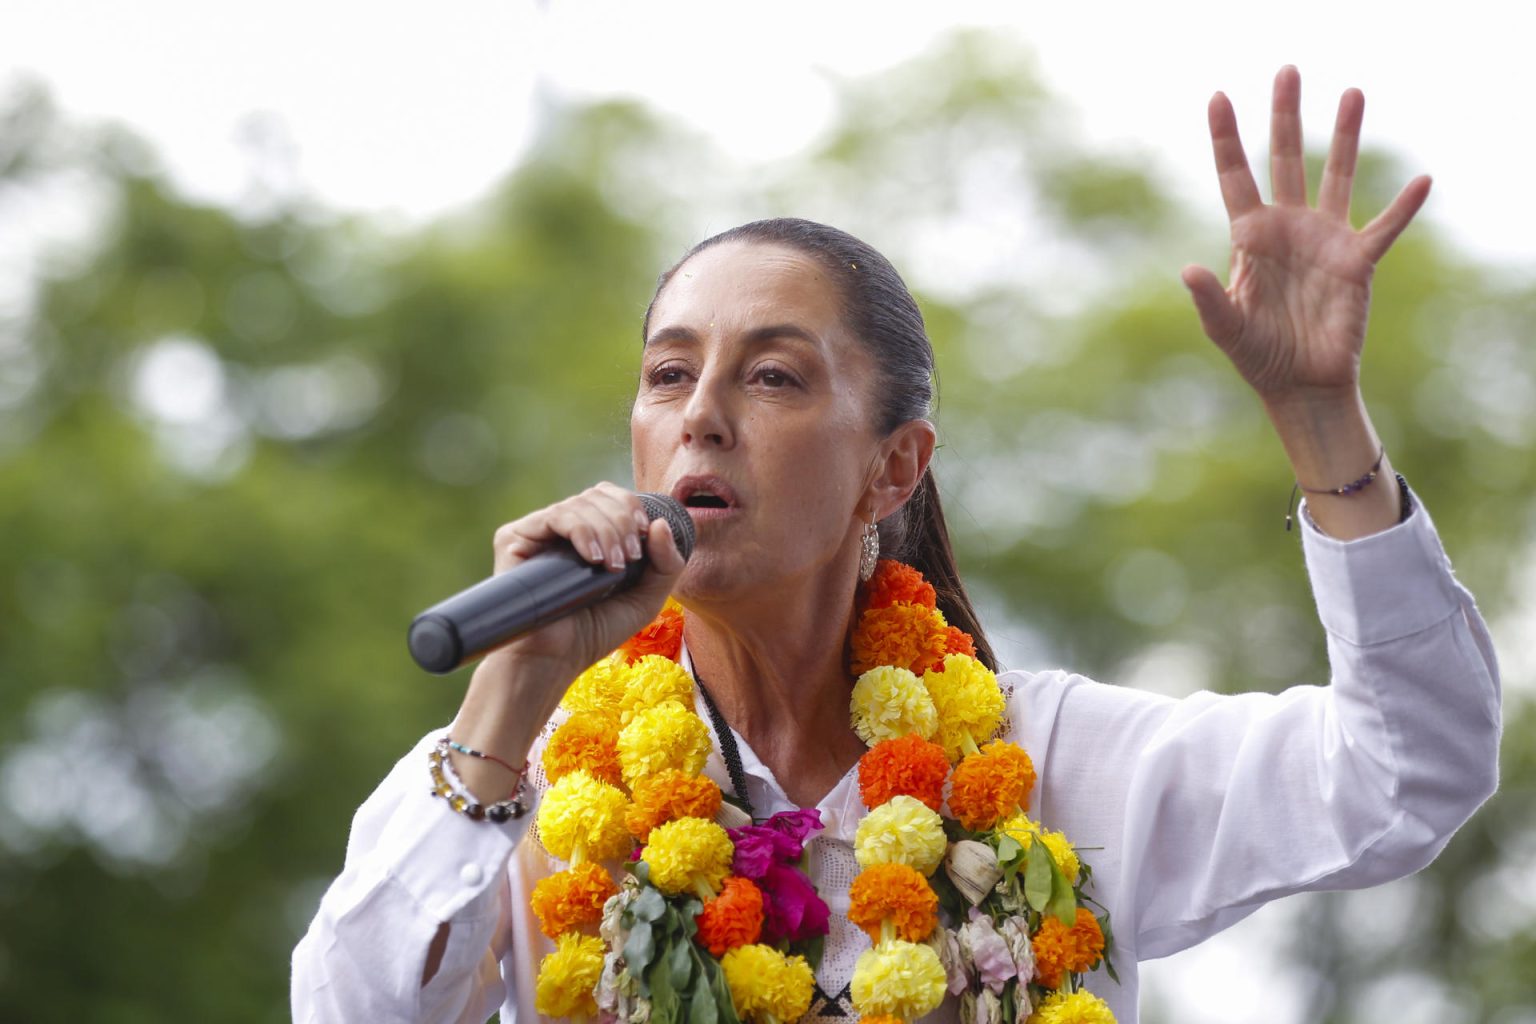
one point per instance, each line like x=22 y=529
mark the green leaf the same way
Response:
x=665 y=1004
x=813 y=949
x=702 y=1008
x=1039 y=869
x=639 y=948
x=650 y=905
x=1008 y=848
x=680 y=962
x=1063 y=902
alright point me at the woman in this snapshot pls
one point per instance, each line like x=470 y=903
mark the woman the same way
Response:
x=784 y=386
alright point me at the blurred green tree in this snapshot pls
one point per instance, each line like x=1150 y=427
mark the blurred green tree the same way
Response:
x=239 y=448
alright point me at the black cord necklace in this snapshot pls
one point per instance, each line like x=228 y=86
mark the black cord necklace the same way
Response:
x=729 y=753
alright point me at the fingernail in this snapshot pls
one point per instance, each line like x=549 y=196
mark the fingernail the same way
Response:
x=632 y=545
x=596 y=551
x=642 y=520
x=616 y=558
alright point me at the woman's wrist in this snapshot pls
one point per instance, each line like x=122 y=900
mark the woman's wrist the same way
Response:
x=1332 y=446
x=509 y=699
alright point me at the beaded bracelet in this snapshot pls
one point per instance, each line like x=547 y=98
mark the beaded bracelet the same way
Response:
x=482 y=755
x=461 y=800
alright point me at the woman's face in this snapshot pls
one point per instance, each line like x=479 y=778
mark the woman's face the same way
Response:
x=754 y=410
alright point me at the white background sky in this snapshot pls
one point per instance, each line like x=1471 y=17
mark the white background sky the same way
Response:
x=413 y=109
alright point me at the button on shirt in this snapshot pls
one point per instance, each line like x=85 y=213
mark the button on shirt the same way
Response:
x=1202 y=809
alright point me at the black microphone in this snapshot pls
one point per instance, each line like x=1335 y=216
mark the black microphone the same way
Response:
x=548 y=586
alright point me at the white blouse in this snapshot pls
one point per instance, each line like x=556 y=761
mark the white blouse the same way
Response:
x=1202 y=808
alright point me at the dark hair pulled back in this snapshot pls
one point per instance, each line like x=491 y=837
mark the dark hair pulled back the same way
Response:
x=882 y=313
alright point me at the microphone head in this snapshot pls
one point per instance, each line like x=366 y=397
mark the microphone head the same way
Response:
x=664 y=506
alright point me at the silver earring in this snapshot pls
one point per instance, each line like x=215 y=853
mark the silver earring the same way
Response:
x=869 y=554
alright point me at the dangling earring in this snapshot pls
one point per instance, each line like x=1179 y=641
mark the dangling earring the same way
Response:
x=870 y=553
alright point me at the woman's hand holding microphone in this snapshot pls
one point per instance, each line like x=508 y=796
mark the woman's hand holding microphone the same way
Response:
x=517 y=687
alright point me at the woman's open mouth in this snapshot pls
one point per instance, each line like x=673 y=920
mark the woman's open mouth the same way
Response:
x=705 y=497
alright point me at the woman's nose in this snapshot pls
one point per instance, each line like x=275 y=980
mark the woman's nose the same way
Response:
x=706 y=419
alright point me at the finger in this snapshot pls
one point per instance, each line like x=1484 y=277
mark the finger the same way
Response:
x=1380 y=233
x=661 y=549
x=1218 y=316
x=601 y=534
x=628 y=515
x=1287 y=167
x=1238 y=190
x=1339 y=172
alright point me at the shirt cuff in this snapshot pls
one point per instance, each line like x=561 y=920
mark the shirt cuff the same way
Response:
x=1382 y=587
x=445 y=860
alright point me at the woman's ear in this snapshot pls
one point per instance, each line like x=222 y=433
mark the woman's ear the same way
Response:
x=903 y=458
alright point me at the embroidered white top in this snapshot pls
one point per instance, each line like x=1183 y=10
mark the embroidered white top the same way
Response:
x=1205 y=808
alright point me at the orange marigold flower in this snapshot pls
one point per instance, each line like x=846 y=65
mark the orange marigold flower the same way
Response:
x=569 y=899
x=905 y=635
x=663 y=635
x=669 y=795
x=588 y=740
x=956 y=641
x=1061 y=950
x=894 y=582
x=881 y=1018
x=991 y=785
x=907 y=765
x=895 y=893
x=733 y=918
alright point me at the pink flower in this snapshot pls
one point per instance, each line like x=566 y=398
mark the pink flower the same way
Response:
x=792 y=909
x=796 y=824
x=779 y=840
x=987 y=951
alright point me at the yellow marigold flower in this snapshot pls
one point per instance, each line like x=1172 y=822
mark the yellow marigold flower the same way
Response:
x=1080 y=1007
x=598 y=688
x=902 y=979
x=889 y=703
x=765 y=982
x=969 y=703
x=689 y=854
x=903 y=831
x=1063 y=854
x=586 y=740
x=906 y=635
x=568 y=975
x=666 y=737
x=1020 y=827
x=581 y=818
x=651 y=681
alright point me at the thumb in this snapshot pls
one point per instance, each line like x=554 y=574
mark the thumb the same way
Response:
x=1218 y=316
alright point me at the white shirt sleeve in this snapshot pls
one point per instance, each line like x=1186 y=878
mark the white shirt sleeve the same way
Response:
x=1209 y=806
x=412 y=863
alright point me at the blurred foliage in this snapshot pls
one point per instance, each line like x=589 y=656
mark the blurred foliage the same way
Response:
x=240 y=448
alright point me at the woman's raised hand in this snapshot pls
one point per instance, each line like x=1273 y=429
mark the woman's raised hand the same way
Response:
x=1292 y=318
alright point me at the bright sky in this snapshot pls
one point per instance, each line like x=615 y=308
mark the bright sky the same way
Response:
x=412 y=109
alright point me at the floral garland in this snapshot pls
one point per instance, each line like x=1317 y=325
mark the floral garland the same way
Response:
x=718 y=924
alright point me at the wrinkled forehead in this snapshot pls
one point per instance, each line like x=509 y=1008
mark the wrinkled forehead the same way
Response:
x=735 y=286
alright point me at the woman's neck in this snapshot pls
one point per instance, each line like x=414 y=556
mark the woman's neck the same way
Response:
x=777 y=670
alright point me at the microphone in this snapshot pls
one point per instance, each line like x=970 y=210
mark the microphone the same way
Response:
x=546 y=587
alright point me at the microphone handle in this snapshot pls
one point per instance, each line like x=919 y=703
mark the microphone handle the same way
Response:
x=548 y=586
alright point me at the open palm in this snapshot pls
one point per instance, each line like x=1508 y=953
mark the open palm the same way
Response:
x=1293 y=315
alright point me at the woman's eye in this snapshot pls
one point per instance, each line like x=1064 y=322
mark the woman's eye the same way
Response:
x=665 y=376
x=772 y=378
